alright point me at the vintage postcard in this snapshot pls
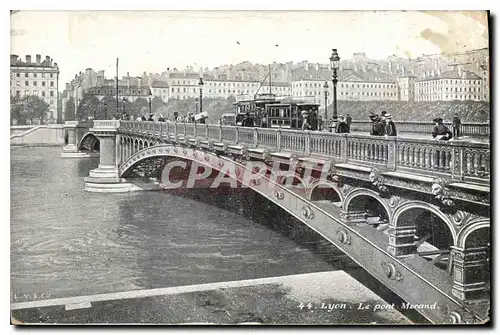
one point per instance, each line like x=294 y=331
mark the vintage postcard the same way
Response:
x=250 y=167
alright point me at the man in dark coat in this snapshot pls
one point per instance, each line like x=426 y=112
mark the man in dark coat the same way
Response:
x=456 y=126
x=378 y=128
x=342 y=127
x=247 y=121
x=348 y=120
x=441 y=132
x=390 y=128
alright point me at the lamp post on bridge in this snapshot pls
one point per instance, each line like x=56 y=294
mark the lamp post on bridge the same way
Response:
x=326 y=87
x=334 y=62
x=150 y=96
x=200 y=83
x=105 y=110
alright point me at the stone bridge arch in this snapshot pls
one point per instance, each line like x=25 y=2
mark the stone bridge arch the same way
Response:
x=89 y=141
x=401 y=209
x=324 y=190
x=468 y=230
x=365 y=200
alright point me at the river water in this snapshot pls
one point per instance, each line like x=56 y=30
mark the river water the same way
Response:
x=66 y=242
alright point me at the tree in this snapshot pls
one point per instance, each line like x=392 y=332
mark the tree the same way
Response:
x=35 y=108
x=106 y=108
x=69 y=113
x=87 y=107
x=139 y=107
x=16 y=111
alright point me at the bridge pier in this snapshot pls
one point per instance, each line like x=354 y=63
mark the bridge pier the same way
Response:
x=70 y=150
x=105 y=178
x=469 y=275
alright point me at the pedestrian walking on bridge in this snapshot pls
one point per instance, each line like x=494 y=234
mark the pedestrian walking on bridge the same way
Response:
x=390 y=128
x=441 y=132
x=456 y=125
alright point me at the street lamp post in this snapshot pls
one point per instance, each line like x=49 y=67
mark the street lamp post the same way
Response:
x=326 y=87
x=150 y=96
x=334 y=62
x=195 y=105
x=105 y=110
x=123 y=106
x=200 y=83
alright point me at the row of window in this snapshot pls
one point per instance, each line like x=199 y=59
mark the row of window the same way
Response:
x=447 y=81
x=457 y=89
x=35 y=75
x=452 y=96
x=318 y=85
x=35 y=93
x=35 y=83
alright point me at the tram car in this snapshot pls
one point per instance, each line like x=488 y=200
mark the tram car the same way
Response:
x=291 y=114
x=255 y=108
x=269 y=112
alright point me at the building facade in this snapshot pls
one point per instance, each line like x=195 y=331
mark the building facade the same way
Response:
x=38 y=78
x=449 y=86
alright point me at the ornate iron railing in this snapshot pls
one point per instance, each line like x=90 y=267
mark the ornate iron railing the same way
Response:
x=460 y=160
x=473 y=129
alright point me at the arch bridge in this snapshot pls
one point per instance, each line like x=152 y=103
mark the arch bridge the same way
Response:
x=414 y=213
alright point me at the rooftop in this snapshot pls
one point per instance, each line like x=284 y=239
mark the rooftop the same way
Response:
x=453 y=74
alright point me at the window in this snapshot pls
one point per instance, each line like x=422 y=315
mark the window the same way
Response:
x=35 y=93
x=43 y=75
x=18 y=75
x=26 y=93
x=51 y=93
x=52 y=102
x=172 y=90
x=51 y=75
x=18 y=93
x=43 y=83
x=43 y=93
x=26 y=83
x=34 y=83
x=51 y=84
x=34 y=75
x=26 y=75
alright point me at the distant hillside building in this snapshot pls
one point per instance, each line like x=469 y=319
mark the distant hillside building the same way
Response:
x=450 y=85
x=38 y=78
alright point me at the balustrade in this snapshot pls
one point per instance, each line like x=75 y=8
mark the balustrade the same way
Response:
x=267 y=137
x=228 y=134
x=458 y=158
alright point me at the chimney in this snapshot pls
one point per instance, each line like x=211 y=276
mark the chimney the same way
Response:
x=38 y=59
x=13 y=59
x=433 y=72
x=307 y=66
x=390 y=67
x=459 y=71
x=435 y=64
x=28 y=59
x=317 y=66
x=438 y=71
x=47 y=60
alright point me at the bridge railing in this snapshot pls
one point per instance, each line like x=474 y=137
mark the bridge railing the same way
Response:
x=474 y=129
x=461 y=160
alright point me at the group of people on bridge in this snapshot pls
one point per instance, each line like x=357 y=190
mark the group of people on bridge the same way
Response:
x=382 y=125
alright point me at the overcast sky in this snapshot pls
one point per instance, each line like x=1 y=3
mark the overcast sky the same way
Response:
x=153 y=41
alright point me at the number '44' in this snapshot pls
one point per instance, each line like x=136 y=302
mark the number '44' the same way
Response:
x=302 y=305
